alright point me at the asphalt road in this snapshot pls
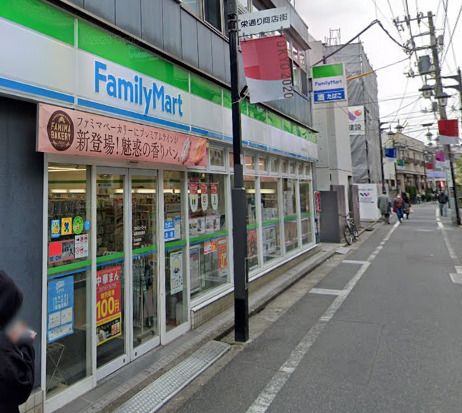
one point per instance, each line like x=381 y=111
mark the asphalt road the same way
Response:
x=382 y=333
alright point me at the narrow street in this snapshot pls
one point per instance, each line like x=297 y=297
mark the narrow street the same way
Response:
x=380 y=333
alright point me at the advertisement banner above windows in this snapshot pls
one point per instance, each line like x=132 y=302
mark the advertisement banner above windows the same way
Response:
x=71 y=132
x=329 y=83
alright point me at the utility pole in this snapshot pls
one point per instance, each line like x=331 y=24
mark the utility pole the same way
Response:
x=381 y=155
x=442 y=112
x=239 y=202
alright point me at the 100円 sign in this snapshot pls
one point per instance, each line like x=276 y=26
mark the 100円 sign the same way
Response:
x=265 y=21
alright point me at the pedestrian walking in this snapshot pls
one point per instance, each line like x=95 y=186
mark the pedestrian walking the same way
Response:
x=16 y=351
x=398 y=207
x=443 y=203
x=406 y=204
x=384 y=205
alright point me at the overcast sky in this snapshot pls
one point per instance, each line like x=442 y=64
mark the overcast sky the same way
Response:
x=351 y=16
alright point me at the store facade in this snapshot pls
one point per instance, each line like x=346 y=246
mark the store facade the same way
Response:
x=137 y=177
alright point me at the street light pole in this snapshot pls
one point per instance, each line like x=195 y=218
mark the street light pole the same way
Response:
x=241 y=293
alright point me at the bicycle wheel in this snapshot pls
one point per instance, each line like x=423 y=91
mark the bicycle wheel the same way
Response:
x=348 y=234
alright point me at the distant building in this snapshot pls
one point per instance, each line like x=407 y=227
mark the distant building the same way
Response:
x=362 y=91
x=406 y=172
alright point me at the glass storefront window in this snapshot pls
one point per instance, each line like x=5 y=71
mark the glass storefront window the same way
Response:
x=290 y=214
x=249 y=162
x=262 y=164
x=111 y=325
x=144 y=256
x=270 y=218
x=208 y=253
x=217 y=157
x=274 y=165
x=306 y=212
x=175 y=250
x=68 y=357
x=252 y=240
x=292 y=168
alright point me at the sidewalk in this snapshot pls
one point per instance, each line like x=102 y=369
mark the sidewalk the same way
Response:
x=122 y=385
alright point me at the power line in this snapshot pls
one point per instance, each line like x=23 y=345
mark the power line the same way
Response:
x=374 y=22
x=452 y=35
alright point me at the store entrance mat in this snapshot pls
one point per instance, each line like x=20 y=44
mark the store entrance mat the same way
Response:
x=161 y=390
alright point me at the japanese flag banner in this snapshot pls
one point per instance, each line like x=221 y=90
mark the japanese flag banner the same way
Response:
x=448 y=130
x=267 y=68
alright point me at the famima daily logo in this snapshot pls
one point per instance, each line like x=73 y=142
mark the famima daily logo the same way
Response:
x=136 y=90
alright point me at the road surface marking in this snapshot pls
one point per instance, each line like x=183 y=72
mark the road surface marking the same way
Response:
x=326 y=291
x=353 y=262
x=456 y=278
x=277 y=382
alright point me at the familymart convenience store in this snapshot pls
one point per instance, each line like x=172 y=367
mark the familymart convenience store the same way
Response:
x=135 y=154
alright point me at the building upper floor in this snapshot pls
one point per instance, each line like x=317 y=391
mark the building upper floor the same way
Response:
x=410 y=152
x=194 y=33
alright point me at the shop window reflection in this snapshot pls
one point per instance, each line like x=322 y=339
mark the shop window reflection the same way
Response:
x=68 y=287
x=208 y=233
x=270 y=216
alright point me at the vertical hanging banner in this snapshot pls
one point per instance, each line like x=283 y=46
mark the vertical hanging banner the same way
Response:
x=448 y=130
x=356 y=120
x=329 y=83
x=267 y=68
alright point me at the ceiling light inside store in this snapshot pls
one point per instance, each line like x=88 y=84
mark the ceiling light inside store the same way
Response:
x=59 y=191
x=77 y=191
x=145 y=191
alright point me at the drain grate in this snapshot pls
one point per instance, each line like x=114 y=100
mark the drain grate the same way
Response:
x=160 y=391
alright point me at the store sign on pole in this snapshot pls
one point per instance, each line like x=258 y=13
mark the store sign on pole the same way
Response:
x=264 y=21
x=356 y=120
x=448 y=130
x=329 y=83
x=267 y=68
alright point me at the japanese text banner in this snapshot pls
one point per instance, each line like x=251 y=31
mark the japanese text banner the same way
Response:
x=71 y=132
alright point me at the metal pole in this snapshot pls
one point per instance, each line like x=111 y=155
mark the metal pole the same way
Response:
x=239 y=202
x=443 y=115
x=381 y=157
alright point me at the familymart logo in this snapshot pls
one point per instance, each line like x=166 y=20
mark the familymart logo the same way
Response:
x=136 y=90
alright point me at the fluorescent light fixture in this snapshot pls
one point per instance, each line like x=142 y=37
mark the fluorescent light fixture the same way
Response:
x=59 y=191
x=64 y=169
x=145 y=191
x=77 y=191
x=119 y=191
x=267 y=191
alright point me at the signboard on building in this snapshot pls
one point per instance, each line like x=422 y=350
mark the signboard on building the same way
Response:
x=264 y=21
x=329 y=83
x=71 y=132
x=356 y=120
x=267 y=68
x=368 y=194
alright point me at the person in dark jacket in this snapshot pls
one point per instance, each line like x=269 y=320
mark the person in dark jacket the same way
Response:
x=16 y=351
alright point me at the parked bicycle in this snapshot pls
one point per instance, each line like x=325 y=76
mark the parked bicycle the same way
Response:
x=350 y=232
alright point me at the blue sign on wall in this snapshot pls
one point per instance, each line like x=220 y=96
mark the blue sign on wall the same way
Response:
x=331 y=95
x=60 y=321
